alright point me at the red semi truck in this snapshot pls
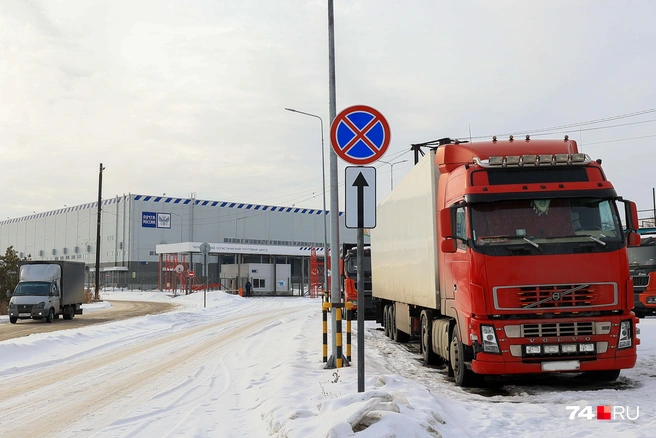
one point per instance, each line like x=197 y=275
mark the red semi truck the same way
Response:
x=348 y=267
x=508 y=257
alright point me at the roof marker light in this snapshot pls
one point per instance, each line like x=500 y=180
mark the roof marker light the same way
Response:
x=562 y=158
x=512 y=160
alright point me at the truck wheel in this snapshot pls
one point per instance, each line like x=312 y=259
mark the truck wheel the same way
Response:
x=69 y=312
x=603 y=376
x=51 y=315
x=388 y=318
x=13 y=319
x=430 y=358
x=386 y=322
x=462 y=375
x=397 y=335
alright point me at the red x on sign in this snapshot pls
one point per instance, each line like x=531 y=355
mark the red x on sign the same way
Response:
x=360 y=135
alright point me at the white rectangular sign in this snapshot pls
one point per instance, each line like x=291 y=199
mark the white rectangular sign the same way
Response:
x=360 y=199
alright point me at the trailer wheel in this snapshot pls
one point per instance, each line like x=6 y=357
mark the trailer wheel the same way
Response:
x=397 y=335
x=462 y=375
x=51 y=315
x=13 y=319
x=430 y=358
x=386 y=329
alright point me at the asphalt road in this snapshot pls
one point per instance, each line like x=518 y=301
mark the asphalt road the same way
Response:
x=118 y=310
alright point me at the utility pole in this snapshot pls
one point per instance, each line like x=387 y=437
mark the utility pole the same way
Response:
x=98 y=233
x=335 y=295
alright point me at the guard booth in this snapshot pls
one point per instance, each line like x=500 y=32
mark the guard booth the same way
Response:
x=264 y=280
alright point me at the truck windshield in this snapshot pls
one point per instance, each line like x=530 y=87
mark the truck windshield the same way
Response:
x=547 y=224
x=32 y=288
x=644 y=256
x=352 y=267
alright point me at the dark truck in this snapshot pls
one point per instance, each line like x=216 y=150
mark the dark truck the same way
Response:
x=642 y=264
x=349 y=276
x=47 y=289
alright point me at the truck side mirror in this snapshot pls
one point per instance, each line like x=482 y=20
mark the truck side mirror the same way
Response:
x=632 y=239
x=446 y=223
x=631 y=215
x=448 y=246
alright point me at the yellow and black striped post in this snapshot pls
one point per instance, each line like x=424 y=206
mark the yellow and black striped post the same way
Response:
x=338 y=334
x=324 y=310
x=349 y=317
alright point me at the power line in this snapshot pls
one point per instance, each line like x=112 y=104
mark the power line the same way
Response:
x=570 y=125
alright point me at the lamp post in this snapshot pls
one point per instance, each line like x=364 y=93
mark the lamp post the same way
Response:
x=176 y=214
x=392 y=170
x=323 y=180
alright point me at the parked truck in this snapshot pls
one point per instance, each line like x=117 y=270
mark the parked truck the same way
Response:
x=642 y=262
x=508 y=257
x=349 y=273
x=47 y=289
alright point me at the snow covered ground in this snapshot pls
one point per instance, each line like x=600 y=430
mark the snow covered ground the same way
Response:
x=252 y=367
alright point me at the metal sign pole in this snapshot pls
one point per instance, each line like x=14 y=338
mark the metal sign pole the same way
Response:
x=360 y=287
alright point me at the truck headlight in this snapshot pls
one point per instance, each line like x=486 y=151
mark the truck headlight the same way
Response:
x=569 y=348
x=651 y=300
x=490 y=344
x=586 y=348
x=533 y=349
x=625 y=335
x=41 y=305
x=551 y=349
x=12 y=305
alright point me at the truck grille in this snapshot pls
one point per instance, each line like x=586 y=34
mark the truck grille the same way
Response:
x=640 y=280
x=555 y=297
x=557 y=329
x=25 y=308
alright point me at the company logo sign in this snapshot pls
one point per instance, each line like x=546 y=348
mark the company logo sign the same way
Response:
x=151 y=219
x=163 y=220
x=604 y=412
x=148 y=219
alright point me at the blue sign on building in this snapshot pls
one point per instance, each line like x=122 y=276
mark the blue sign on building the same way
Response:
x=149 y=219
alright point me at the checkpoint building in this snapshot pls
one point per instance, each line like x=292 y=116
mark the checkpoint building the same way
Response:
x=145 y=239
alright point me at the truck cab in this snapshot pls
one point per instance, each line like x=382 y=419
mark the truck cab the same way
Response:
x=349 y=274
x=35 y=300
x=642 y=263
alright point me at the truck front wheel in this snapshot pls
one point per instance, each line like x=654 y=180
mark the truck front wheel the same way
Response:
x=430 y=358
x=51 y=315
x=462 y=375
x=13 y=319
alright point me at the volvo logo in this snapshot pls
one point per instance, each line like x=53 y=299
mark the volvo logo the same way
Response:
x=555 y=296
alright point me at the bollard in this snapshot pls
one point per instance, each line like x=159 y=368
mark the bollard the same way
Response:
x=324 y=311
x=338 y=336
x=349 y=317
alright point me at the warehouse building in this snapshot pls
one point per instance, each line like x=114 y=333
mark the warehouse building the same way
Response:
x=147 y=240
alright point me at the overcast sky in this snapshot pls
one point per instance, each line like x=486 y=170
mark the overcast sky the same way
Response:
x=182 y=96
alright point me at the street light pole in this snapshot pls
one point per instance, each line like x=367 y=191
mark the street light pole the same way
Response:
x=181 y=223
x=323 y=180
x=392 y=170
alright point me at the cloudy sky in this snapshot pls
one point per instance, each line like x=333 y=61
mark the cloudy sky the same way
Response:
x=188 y=96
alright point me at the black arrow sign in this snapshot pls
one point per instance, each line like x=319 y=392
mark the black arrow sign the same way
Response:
x=360 y=182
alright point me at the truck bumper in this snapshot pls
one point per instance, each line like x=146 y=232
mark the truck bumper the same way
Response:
x=31 y=315
x=570 y=365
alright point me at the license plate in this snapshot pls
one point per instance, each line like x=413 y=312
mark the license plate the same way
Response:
x=561 y=365
x=24 y=315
